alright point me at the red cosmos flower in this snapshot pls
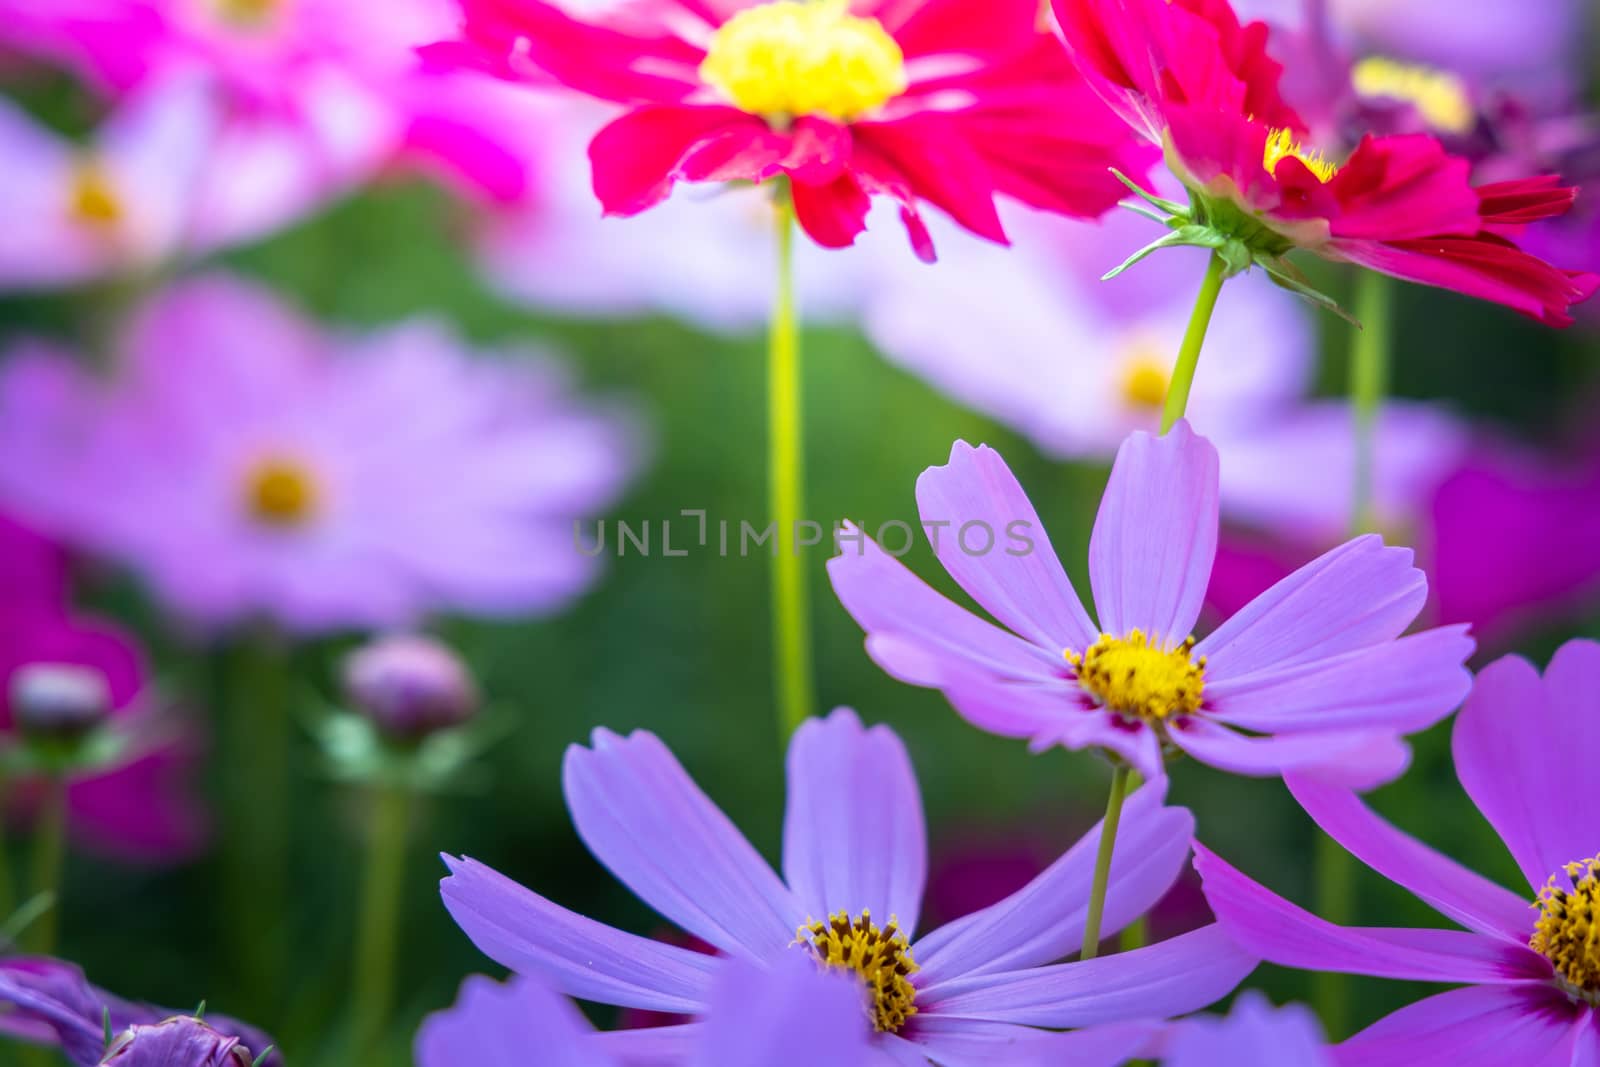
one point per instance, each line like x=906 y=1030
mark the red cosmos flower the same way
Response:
x=948 y=102
x=1189 y=77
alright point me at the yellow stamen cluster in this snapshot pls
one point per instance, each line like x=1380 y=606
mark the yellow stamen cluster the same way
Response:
x=1145 y=378
x=881 y=956
x=1281 y=145
x=1568 y=930
x=1441 y=98
x=280 y=492
x=1137 y=677
x=790 y=58
x=93 y=199
x=247 y=12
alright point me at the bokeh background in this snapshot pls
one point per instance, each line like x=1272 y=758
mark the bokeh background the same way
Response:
x=679 y=646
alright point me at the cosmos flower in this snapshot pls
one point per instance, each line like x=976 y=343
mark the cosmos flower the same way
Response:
x=1313 y=675
x=935 y=101
x=50 y=1002
x=1530 y=976
x=1030 y=336
x=139 y=807
x=753 y=1019
x=248 y=466
x=1189 y=77
x=854 y=865
x=1254 y=1034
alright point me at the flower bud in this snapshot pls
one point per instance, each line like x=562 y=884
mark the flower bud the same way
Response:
x=59 y=700
x=410 y=686
x=182 y=1041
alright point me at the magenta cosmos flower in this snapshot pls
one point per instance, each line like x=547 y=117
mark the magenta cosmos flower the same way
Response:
x=1311 y=675
x=946 y=102
x=854 y=863
x=248 y=466
x=1529 y=961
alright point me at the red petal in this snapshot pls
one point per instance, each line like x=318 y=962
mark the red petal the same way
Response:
x=1406 y=187
x=638 y=158
x=927 y=155
x=832 y=213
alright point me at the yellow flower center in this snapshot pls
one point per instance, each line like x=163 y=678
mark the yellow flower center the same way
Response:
x=1441 y=98
x=93 y=198
x=1281 y=145
x=791 y=58
x=1145 y=378
x=881 y=956
x=1568 y=930
x=281 y=492
x=1136 y=676
x=246 y=12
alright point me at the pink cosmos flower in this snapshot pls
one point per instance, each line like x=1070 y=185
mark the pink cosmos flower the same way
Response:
x=854 y=866
x=1312 y=675
x=933 y=101
x=1530 y=975
x=246 y=465
x=1189 y=77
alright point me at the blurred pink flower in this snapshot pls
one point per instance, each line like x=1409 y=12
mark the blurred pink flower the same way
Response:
x=141 y=809
x=247 y=465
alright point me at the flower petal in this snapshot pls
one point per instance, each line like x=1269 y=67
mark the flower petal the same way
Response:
x=1009 y=567
x=1281 y=933
x=756 y=1013
x=853 y=833
x=1356 y=759
x=494 y=1025
x=1253 y=1035
x=1156 y=535
x=644 y=818
x=1463 y=895
x=1517 y=744
x=1480 y=1026
x=1357 y=595
x=519 y=929
x=1043 y=921
x=832 y=213
x=638 y=157
x=978 y=1043
x=1173 y=977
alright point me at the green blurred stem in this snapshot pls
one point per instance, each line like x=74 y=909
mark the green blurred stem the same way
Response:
x=8 y=892
x=1194 y=338
x=1370 y=350
x=791 y=608
x=1102 y=863
x=379 y=920
x=49 y=857
x=1137 y=933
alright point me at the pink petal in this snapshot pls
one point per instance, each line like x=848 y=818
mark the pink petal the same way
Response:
x=832 y=213
x=928 y=153
x=1357 y=759
x=639 y=157
x=492 y=1025
x=1480 y=1025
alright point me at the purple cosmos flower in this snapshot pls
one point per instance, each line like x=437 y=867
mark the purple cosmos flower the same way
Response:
x=51 y=1003
x=1531 y=974
x=1254 y=1034
x=267 y=470
x=1315 y=668
x=854 y=863
x=1030 y=336
x=755 y=1018
x=141 y=808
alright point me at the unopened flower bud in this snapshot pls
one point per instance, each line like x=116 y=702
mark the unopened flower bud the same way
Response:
x=182 y=1040
x=60 y=700
x=410 y=686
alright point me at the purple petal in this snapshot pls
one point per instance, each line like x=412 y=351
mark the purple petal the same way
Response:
x=1043 y=921
x=1359 y=759
x=1359 y=594
x=976 y=1043
x=1463 y=895
x=886 y=599
x=1400 y=686
x=1279 y=932
x=1173 y=977
x=853 y=833
x=1520 y=744
x=1479 y=1025
x=644 y=818
x=1253 y=1035
x=494 y=1025
x=793 y=1015
x=1026 y=590
x=1156 y=535
x=519 y=929
x=650 y=1046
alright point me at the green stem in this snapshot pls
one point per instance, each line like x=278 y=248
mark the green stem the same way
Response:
x=1194 y=338
x=1102 y=863
x=1370 y=351
x=49 y=857
x=379 y=921
x=791 y=608
x=8 y=893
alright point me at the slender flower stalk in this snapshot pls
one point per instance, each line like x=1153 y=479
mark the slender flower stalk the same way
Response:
x=1102 y=863
x=49 y=857
x=791 y=603
x=379 y=919
x=1194 y=340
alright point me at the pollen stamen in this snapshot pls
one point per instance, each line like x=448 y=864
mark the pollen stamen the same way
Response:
x=880 y=955
x=1568 y=930
x=1441 y=98
x=1139 y=678
x=1281 y=145
x=281 y=492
